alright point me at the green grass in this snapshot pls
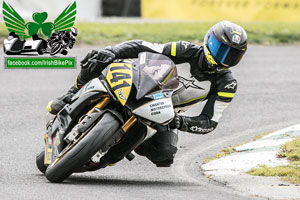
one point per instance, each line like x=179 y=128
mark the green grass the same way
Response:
x=227 y=151
x=291 y=172
x=109 y=33
x=262 y=135
x=223 y=153
x=288 y=173
x=291 y=151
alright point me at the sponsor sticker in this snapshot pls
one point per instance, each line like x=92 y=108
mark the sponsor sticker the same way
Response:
x=156 y=108
x=121 y=95
x=142 y=58
x=236 y=38
x=158 y=96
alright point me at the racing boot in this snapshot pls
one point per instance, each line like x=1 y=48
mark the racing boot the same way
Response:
x=56 y=105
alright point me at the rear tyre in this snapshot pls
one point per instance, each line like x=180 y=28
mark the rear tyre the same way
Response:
x=99 y=136
x=40 y=162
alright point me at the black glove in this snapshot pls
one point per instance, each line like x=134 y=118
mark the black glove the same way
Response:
x=89 y=56
x=176 y=123
x=106 y=56
x=97 y=61
x=93 y=64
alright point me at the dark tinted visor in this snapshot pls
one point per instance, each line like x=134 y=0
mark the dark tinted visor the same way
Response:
x=223 y=53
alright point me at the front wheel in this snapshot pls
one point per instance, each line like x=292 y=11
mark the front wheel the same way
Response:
x=40 y=162
x=79 y=154
x=56 y=48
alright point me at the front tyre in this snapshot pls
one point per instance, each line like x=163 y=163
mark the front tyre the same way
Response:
x=40 y=162
x=56 y=48
x=77 y=156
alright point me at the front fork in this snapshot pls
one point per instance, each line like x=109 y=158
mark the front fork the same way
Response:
x=104 y=102
x=123 y=130
x=100 y=105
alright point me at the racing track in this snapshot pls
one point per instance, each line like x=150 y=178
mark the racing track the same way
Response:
x=267 y=99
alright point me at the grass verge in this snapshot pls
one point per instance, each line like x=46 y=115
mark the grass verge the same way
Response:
x=109 y=33
x=291 y=172
x=223 y=153
x=227 y=151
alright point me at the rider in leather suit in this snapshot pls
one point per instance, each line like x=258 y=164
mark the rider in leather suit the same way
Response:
x=206 y=76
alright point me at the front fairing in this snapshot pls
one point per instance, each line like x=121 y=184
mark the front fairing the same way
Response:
x=144 y=86
x=132 y=81
x=157 y=107
x=94 y=85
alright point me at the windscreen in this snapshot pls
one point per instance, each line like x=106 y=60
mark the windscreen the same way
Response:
x=156 y=72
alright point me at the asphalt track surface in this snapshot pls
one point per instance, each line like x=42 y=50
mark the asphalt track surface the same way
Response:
x=267 y=99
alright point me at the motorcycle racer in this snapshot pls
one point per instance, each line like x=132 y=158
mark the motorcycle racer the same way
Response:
x=206 y=77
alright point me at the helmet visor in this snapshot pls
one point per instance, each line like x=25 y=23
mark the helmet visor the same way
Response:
x=222 y=53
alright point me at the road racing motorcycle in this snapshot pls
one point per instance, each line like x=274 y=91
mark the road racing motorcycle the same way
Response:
x=103 y=111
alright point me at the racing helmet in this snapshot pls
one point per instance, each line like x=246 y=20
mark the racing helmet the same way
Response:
x=224 y=45
x=74 y=31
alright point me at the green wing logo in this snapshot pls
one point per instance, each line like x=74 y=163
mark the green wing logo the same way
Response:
x=15 y=23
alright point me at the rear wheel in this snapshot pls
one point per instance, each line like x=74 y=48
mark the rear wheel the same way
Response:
x=75 y=157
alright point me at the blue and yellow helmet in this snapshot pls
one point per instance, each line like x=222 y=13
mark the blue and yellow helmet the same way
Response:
x=225 y=44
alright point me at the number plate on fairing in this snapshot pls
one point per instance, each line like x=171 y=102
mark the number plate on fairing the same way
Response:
x=119 y=77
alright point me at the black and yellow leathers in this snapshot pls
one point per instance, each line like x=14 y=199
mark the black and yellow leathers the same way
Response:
x=198 y=81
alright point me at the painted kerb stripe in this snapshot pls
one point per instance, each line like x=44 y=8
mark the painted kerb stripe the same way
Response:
x=40 y=62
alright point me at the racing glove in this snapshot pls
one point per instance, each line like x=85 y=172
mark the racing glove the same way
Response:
x=89 y=56
x=93 y=64
x=176 y=123
x=106 y=55
x=201 y=124
x=96 y=61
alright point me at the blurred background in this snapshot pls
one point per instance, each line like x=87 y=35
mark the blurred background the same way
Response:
x=112 y=21
x=239 y=10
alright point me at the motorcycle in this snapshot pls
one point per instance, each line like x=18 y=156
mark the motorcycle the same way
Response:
x=103 y=111
x=13 y=45
x=59 y=42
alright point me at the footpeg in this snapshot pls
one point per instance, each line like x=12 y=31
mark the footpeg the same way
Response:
x=130 y=156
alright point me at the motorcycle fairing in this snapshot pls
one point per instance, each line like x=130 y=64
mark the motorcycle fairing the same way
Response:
x=150 y=132
x=68 y=116
x=94 y=85
x=158 y=110
x=119 y=77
